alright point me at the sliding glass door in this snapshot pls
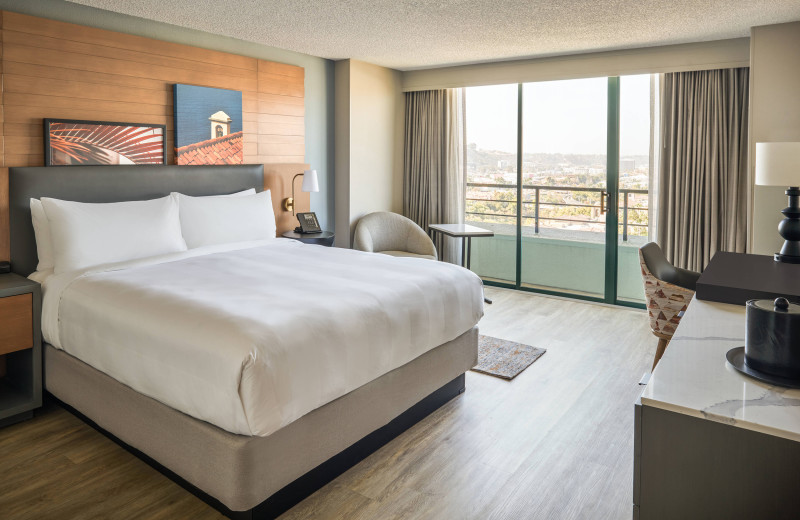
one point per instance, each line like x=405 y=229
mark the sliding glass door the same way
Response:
x=492 y=191
x=636 y=137
x=564 y=186
x=547 y=164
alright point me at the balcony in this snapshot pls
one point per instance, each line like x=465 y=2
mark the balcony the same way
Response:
x=563 y=237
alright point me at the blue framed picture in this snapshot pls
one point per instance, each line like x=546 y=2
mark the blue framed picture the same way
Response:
x=208 y=125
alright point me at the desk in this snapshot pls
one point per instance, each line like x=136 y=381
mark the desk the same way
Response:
x=737 y=277
x=463 y=231
x=711 y=442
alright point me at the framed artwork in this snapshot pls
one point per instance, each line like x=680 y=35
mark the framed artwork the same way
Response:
x=69 y=142
x=208 y=125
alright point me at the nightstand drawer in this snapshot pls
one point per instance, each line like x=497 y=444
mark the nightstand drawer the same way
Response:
x=16 y=323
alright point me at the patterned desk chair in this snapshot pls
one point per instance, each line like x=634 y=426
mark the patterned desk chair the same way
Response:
x=668 y=290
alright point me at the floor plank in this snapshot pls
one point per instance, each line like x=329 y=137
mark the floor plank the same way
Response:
x=554 y=443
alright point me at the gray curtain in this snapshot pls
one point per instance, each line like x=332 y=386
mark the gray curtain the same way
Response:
x=702 y=186
x=433 y=178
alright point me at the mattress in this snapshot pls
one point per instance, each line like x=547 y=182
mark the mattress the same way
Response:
x=251 y=337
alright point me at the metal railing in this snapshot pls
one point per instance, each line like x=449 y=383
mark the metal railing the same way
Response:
x=537 y=203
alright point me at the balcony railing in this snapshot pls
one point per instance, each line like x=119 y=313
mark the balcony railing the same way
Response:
x=537 y=204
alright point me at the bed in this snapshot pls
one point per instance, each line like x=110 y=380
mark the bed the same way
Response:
x=262 y=447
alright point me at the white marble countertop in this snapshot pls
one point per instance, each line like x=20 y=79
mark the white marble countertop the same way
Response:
x=694 y=378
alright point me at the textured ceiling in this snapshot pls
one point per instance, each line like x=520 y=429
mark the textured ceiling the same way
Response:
x=409 y=34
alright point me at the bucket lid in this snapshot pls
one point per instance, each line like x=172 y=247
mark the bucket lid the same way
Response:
x=781 y=305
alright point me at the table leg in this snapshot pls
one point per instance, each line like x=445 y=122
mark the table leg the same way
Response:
x=463 y=251
x=469 y=251
x=433 y=239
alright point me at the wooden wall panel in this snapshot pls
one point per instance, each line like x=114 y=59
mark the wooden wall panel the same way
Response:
x=65 y=31
x=4 y=246
x=278 y=179
x=53 y=69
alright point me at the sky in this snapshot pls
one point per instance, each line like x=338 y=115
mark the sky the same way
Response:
x=194 y=105
x=559 y=116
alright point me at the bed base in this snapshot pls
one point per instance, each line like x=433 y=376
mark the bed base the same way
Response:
x=295 y=492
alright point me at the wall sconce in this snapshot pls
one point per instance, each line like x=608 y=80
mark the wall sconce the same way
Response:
x=310 y=183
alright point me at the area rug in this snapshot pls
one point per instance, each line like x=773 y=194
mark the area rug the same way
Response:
x=504 y=359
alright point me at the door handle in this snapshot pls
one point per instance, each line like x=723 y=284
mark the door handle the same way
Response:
x=603 y=208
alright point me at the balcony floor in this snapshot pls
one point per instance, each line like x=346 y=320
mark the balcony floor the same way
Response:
x=566 y=261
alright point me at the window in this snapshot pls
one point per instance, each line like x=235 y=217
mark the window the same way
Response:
x=560 y=175
x=491 y=135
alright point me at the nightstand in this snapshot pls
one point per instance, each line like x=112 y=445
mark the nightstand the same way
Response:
x=324 y=238
x=20 y=348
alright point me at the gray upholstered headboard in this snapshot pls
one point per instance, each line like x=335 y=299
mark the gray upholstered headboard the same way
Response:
x=110 y=184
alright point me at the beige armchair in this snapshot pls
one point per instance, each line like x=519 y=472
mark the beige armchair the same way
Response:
x=392 y=234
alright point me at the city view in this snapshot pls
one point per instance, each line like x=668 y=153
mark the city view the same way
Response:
x=562 y=245
x=491 y=192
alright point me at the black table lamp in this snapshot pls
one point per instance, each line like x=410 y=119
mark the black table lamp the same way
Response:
x=778 y=164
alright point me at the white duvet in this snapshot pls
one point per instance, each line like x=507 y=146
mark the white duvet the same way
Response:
x=250 y=337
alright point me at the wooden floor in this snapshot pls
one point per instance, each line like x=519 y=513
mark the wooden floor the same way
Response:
x=555 y=443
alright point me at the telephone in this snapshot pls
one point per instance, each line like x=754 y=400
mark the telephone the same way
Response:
x=308 y=223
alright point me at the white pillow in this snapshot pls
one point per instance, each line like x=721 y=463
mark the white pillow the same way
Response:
x=223 y=220
x=248 y=191
x=85 y=235
x=41 y=230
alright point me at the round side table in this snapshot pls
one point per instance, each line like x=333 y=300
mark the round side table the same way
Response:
x=324 y=238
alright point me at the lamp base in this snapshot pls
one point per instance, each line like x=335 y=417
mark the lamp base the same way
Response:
x=789 y=229
x=788 y=259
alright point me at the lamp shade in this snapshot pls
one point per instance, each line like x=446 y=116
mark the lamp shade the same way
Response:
x=778 y=164
x=310 y=181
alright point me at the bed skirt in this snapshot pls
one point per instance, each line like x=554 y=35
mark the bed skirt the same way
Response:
x=242 y=472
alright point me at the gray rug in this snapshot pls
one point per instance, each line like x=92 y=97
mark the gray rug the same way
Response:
x=504 y=359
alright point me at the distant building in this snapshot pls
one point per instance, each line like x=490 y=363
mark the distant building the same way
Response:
x=502 y=163
x=627 y=165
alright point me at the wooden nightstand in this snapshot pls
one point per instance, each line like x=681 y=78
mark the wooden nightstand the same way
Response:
x=20 y=348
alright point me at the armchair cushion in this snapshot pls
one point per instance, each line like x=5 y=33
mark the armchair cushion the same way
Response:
x=392 y=233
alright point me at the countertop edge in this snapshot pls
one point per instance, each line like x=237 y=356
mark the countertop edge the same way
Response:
x=739 y=423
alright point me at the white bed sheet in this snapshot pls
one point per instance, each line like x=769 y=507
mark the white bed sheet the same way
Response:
x=250 y=337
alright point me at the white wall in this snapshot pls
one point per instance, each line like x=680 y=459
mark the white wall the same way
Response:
x=648 y=60
x=369 y=143
x=774 y=117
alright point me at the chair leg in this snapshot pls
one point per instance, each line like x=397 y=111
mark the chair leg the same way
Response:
x=662 y=346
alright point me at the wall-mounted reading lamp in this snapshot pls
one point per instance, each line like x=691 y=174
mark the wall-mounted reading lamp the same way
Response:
x=310 y=183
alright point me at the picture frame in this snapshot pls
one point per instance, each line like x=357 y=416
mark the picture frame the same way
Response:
x=208 y=125
x=77 y=142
